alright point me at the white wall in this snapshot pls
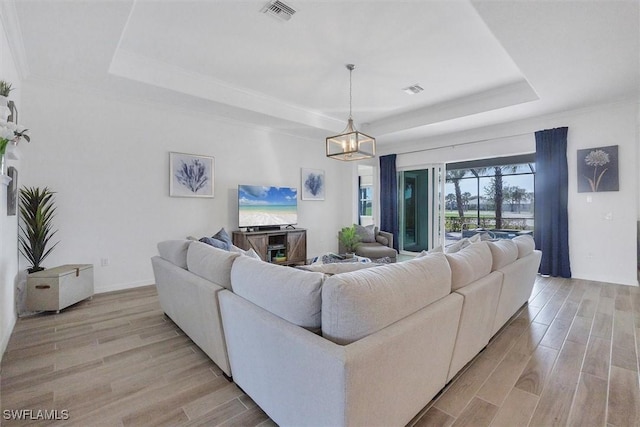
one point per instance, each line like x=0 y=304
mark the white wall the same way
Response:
x=8 y=224
x=600 y=249
x=108 y=161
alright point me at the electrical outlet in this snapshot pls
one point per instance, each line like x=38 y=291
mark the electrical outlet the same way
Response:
x=104 y=262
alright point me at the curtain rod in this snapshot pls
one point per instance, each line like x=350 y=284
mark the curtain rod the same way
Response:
x=467 y=143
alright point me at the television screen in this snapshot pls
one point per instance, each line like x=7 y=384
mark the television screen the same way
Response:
x=267 y=206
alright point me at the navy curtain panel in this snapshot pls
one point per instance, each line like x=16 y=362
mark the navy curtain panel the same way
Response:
x=551 y=230
x=389 y=197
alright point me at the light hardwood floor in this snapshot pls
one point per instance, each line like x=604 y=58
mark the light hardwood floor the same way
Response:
x=569 y=357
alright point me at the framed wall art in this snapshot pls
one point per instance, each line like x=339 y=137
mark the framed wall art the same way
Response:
x=598 y=169
x=190 y=175
x=313 y=184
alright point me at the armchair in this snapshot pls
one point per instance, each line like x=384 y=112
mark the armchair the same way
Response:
x=374 y=243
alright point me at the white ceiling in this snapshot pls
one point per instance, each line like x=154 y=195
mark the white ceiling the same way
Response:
x=480 y=62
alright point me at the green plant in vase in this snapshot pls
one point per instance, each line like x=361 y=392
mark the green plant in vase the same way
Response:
x=5 y=88
x=349 y=239
x=10 y=133
x=37 y=209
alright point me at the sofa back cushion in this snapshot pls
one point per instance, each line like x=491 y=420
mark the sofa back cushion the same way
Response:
x=360 y=303
x=525 y=245
x=504 y=252
x=469 y=264
x=211 y=263
x=290 y=293
x=175 y=251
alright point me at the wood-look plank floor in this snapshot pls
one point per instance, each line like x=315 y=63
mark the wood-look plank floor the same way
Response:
x=568 y=358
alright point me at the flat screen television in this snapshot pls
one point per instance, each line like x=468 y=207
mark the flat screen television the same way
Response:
x=267 y=207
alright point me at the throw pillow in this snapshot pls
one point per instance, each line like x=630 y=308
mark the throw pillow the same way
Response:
x=437 y=249
x=224 y=236
x=216 y=243
x=486 y=236
x=253 y=254
x=475 y=238
x=237 y=250
x=455 y=247
x=367 y=234
x=382 y=240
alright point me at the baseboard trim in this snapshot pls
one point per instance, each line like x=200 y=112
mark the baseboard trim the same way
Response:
x=6 y=337
x=123 y=286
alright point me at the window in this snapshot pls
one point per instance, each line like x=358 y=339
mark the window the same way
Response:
x=365 y=195
x=494 y=194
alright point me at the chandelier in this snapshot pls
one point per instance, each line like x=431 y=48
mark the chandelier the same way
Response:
x=351 y=144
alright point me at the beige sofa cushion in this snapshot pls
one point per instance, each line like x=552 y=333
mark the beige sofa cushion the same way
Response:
x=175 y=251
x=211 y=263
x=360 y=303
x=504 y=252
x=292 y=294
x=469 y=264
x=338 y=267
x=525 y=245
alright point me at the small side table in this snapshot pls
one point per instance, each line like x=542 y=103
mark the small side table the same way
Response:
x=56 y=288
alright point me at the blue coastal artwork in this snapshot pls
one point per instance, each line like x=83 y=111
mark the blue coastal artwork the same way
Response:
x=190 y=175
x=313 y=184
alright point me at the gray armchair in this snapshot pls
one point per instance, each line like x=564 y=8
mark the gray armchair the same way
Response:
x=374 y=244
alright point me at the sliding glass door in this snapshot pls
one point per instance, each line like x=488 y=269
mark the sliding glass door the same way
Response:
x=421 y=208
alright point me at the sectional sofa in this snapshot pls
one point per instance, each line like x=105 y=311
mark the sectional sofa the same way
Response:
x=368 y=347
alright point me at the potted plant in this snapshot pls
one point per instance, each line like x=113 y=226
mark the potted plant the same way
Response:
x=37 y=209
x=5 y=89
x=10 y=133
x=349 y=239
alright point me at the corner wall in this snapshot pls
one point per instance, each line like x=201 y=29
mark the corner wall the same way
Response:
x=108 y=161
x=601 y=249
x=8 y=224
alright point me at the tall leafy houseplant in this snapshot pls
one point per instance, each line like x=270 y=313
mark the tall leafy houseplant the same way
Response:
x=37 y=209
x=349 y=238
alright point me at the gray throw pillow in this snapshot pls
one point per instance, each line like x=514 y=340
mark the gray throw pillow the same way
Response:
x=216 y=243
x=224 y=236
x=367 y=234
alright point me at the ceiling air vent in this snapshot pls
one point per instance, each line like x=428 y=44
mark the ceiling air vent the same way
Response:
x=278 y=9
x=412 y=90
